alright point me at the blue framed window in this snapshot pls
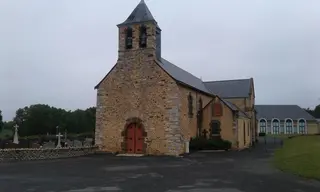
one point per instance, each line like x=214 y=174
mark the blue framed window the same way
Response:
x=289 y=126
x=276 y=126
x=263 y=126
x=302 y=126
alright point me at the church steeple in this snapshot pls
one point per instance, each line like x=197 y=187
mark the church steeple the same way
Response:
x=140 y=31
x=140 y=14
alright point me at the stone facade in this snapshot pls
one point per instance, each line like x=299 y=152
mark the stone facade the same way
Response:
x=189 y=125
x=137 y=87
x=139 y=90
x=41 y=154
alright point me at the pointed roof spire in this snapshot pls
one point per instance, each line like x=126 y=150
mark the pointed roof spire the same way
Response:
x=140 y=14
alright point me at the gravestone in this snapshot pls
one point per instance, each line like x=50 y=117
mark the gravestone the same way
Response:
x=49 y=145
x=35 y=145
x=88 y=142
x=67 y=143
x=77 y=143
x=24 y=143
x=10 y=145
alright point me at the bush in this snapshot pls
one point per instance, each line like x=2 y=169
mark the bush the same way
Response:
x=209 y=144
x=262 y=134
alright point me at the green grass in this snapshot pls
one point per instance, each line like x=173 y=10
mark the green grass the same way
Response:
x=300 y=156
x=281 y=135
x=5 y=132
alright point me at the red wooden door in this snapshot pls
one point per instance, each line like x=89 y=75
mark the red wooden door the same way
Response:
x=135 y=139
x=139 y=140
x=130 y=138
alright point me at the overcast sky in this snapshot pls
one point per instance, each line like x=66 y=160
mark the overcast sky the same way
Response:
x=55 y=51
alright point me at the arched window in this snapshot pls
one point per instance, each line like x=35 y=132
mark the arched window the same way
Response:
x=263 y=125
x=276 y=126
x=143 y=36
x=289 y=126
x=217 y=109
x=129 y=38
x=200 y=115
x=190 y=105
x=302 y=126
x=200 y=103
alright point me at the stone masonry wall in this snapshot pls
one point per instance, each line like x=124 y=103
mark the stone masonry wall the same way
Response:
x=40 y=154
x=137 y=87
x=189 y=125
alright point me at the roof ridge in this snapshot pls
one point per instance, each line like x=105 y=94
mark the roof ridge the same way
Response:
x=183 y=76
x=227 y=80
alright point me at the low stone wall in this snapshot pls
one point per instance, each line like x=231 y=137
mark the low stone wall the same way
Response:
x=27 y=154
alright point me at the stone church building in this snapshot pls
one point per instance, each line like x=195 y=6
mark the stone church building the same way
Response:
x=147 y=105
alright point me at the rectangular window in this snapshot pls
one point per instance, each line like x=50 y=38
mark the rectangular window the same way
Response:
x=217 y=109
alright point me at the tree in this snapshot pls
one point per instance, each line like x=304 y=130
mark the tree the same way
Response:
x=316 y=111
x=41 y=119
x=1 y=121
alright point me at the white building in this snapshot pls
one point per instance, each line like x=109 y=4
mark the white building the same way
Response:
x=285 y=119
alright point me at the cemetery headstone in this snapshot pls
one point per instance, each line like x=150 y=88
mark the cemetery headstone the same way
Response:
x=67 y=143
x=77 y=143
x=35 y=145
x=88 y=142
x=49 y=145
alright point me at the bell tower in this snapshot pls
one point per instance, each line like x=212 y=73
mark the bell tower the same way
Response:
x=140 y=33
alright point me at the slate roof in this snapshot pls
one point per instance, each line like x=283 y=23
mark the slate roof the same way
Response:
x=183 y=76
x=282 y=112
x=230 y=88
x=140 y=14
x=235 y=108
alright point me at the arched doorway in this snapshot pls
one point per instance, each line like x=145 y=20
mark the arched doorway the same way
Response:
x=134 y=136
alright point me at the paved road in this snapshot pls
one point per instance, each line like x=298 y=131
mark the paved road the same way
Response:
x=247 y=171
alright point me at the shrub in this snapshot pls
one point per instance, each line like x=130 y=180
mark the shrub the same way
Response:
x=209 y=144
x=262 y=134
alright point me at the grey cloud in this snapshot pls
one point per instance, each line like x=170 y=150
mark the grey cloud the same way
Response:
x=55 y=52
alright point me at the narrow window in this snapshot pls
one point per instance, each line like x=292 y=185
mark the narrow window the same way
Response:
x=289 y=126
x=200 y=104
x=212 y=109
x=129 y=38
x=302 y=126
x=244 y=133
x=143 y=36
x=263 y=126
x=215 y=128
x=217 y=109
x=276 y=126
x=190 y=105
x=200 y=115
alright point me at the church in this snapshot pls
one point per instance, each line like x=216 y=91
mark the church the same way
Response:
x=148 y=105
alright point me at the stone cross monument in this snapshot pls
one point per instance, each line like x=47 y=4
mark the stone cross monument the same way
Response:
x=59 y=138
x=15 y=137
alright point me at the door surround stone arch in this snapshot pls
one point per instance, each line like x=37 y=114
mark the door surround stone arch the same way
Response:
x=124 y=133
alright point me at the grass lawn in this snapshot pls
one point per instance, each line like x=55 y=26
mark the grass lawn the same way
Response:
x=300 y=156
x=283 y=136
x=5 y=132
